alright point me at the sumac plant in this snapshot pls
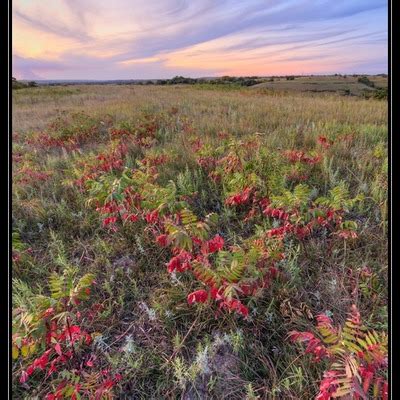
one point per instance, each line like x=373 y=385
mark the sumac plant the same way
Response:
x=227 y=273
x=47 y=332
x=356 y=358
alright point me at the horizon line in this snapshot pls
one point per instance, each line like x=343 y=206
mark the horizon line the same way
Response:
x=202 y=77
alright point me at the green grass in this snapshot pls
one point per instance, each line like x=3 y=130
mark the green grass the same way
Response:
x=348 y=85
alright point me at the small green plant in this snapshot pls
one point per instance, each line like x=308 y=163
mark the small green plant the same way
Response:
x=381 y=94
x=250 y=394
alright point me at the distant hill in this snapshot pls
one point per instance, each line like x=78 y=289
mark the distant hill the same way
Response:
x=351 y=85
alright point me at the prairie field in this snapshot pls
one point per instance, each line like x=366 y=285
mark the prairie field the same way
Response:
x=329 y=84
x=198 y=242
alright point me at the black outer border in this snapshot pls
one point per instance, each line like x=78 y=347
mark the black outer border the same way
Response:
x=5 y=354
x=393 y=208
x=5 y=389
x=390 y=198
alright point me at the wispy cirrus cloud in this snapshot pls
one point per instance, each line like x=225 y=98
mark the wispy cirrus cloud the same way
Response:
x=71 y=39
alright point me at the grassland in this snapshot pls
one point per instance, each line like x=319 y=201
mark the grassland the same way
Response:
x=349 y=85
x=126 y=197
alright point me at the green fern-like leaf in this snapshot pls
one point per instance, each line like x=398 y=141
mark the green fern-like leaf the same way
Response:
x=338 y=198
x=328 y=332
x=56 y=285
x=188 y=217
x=179 y=237
x=206 y=274
x=298 y=198
x=301 y=194
x=235 y=271
x=193 y=225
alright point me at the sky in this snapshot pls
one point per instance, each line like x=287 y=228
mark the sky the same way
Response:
x=148 y=39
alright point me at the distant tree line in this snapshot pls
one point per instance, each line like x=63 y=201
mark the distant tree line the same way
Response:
x=230 y=80
x=15 y=84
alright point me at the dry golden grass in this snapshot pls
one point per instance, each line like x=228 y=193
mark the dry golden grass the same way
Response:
x=237 y=111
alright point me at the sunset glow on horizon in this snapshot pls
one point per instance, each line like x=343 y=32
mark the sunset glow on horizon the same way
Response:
x=131 y=39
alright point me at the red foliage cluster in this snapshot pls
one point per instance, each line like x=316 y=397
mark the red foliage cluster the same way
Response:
x=59 y=340
x=45 y=141
x=367 y=374
x=201 y=296
x=107 y=382
x=109 y=220
x=282 y=230
x=299 y=156
x=153 y=161
x=243 y=197
x=276 y=213
x=223 y=135
x=213 y=245
x=180 y=262
x=162 y=240
x=216 y=292
x=130 y=217
x=324 y=142
x=128 y=209
x=346 y=234
x=183 y=260
x=148 y=128
x=152 y=217
x=196 y=145
x=368 y=365
x=30 y=176
x=326 y=218
x=60 y=343
x=328 y=385
x=104 y=162
x=314 y=345
x=235 y=305
x=208 y=163
x=144 y=134
x=116 y=133
x=66 y=134
x=109 y=162
x=201 y=250
x=109 y=208
x=230 y=163
x=297 y=177
x=122 y=212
